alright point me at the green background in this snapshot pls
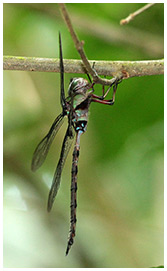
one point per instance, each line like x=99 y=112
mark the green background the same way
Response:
x=120 y=179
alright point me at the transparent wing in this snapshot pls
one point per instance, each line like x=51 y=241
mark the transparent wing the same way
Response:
x=62 y=99
x=42 y=149
x=68 y=139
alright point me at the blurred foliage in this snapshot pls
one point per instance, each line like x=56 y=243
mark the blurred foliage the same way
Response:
x=120 y=180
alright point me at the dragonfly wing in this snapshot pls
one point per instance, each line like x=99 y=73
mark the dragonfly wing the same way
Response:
x=62 y=93
x=42 y=149
x=68 y=139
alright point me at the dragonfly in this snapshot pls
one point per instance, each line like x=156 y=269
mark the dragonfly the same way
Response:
x=75 y=107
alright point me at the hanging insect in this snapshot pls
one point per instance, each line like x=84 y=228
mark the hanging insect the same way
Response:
x=75 y=107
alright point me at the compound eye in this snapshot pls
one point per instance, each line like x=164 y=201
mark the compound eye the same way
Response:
x=77 y=84
x=73 y=85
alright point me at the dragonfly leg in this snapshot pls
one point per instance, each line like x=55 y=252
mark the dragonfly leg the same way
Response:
x=103 y=90
x=73 y=205
x=92 y=83
x=109 y=102
x=115 y=85
x=104 y=94
x=90 y=80
x=103 y=87
x=100 y=99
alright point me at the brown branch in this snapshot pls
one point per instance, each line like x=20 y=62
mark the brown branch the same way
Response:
x=110 y=33
x=134 y=14
x=78 y=44
x=79 y=47
x=107 y=68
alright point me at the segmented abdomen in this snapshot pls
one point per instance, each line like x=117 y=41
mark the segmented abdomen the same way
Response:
x=73 y=205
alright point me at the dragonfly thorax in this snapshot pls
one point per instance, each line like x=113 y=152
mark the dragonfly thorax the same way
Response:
x=78 y=85
x=80 y=115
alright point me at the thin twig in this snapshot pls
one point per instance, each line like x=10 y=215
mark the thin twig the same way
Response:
x=134 y=14
x=78 y=44
x=107 y=68
x=79 y=47
x=110 y=33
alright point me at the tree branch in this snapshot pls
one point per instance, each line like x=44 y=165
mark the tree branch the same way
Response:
x=108 y=32
x=78 y=44
x=79 y=47
x=134 y=14
x=107 y=68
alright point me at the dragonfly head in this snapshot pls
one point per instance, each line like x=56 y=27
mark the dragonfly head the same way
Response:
x=78 y=85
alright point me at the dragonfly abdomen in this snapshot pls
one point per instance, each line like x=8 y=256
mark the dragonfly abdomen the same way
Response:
x=80 y=126
x=73 y=205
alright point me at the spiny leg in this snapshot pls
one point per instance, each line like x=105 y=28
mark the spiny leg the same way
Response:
x=100 y=99
x=90 y=80
x=116 y=81
x=104 y=94
x=115 y=85
x=73 y=205
x=103 y=88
